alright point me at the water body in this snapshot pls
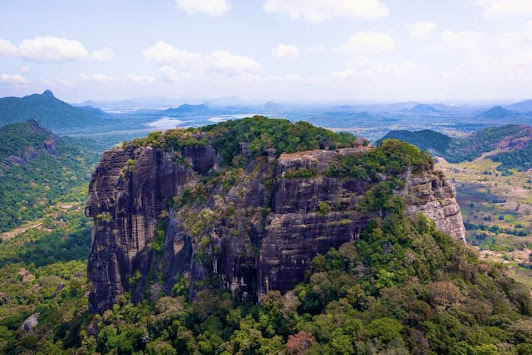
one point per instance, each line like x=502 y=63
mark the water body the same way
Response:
x=166 y=123
x=223 y=118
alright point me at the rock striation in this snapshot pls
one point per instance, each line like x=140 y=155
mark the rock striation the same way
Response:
x=159 y=220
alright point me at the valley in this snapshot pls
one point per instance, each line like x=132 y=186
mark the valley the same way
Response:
x=273 y=177
x=497 y=211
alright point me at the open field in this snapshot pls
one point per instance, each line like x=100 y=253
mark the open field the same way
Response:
x=497 y=211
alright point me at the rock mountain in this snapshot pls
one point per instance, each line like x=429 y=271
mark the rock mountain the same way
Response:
x=248 y=203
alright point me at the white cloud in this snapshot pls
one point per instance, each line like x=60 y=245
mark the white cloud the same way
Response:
x=169 y=74
x=501 y=63
x=286 y=51
x=420 y=31
x=102 y=78
x=223 y=62
x=136 y=78
x=503 y=8
x=320 y=10
x=176 y=64
x=207 y=7
x=7 y=48
x=25 y=69
x=52 y=50
x=368 y=68
x=165 y=54
x=13 y=79
x=462 y=40
x=368 y=43
x=99 y=78
x=104 y=55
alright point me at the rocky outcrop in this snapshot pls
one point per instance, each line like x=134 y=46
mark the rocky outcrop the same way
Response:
x=128 y=192
x=30 y=323
x=256 y=227
x=435 y=197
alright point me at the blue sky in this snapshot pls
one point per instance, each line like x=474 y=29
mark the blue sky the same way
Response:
x=284 y=50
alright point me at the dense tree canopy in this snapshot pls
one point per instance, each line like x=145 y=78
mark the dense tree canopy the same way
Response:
x=36 y=167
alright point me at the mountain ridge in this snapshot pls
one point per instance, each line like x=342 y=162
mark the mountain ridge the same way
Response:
x=511 y=145
x=51 y=112
x=497 y=112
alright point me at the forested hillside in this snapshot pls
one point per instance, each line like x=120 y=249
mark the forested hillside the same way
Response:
x=36 y=167
x=43 y=270
x=403 y=287
x=511 y=145
x=50 y=112
x=425 y=140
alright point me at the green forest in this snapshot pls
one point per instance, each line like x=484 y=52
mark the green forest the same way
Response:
x=51 y=112
x=402 y=288
x=37 y=167
x=261 y=133
x=457 y=150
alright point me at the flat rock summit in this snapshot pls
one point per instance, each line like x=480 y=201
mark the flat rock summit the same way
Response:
x=257 y=227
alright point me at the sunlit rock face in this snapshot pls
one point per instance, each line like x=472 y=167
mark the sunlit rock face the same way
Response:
x=257 y=233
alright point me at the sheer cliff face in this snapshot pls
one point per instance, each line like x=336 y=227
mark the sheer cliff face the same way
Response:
x=256 y=233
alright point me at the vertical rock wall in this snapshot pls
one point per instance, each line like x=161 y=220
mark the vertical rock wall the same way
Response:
x=261 y=234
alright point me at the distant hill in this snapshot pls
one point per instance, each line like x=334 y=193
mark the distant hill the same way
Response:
x=497 y=112
x=423 y=108
x=270 y=105
x=36 y=166
x=51 y=112
x=189 y=110
x=205 y=110
x=511 y=145
x=504 y=138
x=160 y=102
x=224 y=101
x=521 y=107
x=425 y=140
x=94 y=111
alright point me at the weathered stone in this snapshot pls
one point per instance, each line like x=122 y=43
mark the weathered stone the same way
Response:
x=126 y=203
x=277 y=224
x=30 y=323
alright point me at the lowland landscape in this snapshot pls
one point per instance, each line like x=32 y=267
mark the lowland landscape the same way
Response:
x=278 y=177
x=182 y=299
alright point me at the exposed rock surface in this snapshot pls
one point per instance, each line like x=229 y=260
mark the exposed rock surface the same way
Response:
x=30 y=323
x=258 y=234
x=125 y=201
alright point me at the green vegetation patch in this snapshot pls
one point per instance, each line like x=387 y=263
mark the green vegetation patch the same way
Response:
x=45 y=167
x=404 y=287
x=260 y=133
x=393 y=157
